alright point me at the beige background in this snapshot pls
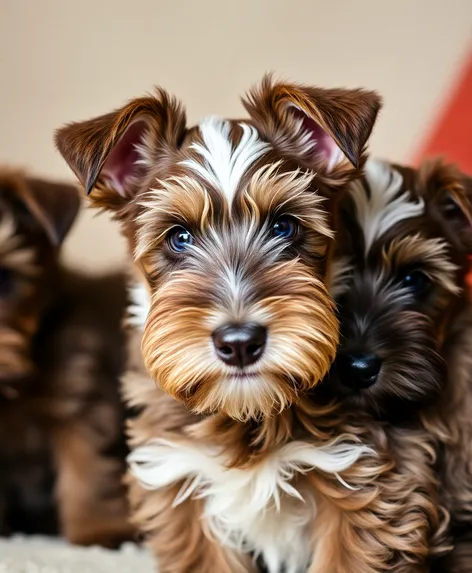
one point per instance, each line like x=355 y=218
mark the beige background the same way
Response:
x=62 y=60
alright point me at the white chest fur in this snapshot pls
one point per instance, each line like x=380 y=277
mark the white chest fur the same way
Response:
x=252 y=510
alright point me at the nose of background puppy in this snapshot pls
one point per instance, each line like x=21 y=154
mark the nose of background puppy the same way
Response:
x=358 y=371
x=240 y=344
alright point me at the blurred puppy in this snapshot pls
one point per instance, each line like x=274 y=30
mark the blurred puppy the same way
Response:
x=60 y=359
x=405 y=352
x=232 y=460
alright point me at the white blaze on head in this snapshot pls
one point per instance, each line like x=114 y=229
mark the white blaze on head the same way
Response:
x=224 y=165
x=383 y=208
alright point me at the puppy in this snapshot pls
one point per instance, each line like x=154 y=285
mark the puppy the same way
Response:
x=61 y=356
x=230 y=227
x=400 y=283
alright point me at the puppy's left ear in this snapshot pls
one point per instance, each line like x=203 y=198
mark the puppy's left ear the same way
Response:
x=48 y=206
x=448 y=193
x=325 y=130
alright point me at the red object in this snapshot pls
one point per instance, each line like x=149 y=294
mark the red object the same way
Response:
x=452 y=135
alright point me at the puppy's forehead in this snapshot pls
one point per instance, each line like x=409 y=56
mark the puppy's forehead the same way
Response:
x=224 y=170
x=221 y=153
x=384 y=202
x=392 y=229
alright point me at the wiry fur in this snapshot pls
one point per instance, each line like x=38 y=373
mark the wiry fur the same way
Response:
x=60 y=414
x=422 y=339
x=248 y=272
x=213 y=439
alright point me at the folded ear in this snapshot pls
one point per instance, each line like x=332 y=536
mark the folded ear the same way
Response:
x=115 y=151
x=323 y=129
x=40 y=204
x=448 y=194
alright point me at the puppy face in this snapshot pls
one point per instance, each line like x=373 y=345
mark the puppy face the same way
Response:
x=399 y=268
x=34 y=218
x=231 y=231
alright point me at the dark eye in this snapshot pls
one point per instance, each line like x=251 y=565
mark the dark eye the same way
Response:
x=417 y=282
x=285 y=227
x=179 y=239
x=451 y=208
x=5 y=281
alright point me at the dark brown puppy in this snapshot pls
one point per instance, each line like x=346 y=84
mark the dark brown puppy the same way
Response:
x=405 y=353
x=61 y=355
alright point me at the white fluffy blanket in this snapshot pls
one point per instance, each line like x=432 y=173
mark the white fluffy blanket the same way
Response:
x=46 y=555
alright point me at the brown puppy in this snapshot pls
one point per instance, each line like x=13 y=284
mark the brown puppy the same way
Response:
x=60 y=359
x=230 y=228
x=399 y=279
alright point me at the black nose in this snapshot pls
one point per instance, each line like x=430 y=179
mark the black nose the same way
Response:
x=240 y=344
x=358 y=370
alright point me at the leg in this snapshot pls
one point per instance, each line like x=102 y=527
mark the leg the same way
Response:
x=391 y=522
x=91 y=496
x=360 y=545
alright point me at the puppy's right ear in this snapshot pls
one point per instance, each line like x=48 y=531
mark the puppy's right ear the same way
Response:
x=111 y=155
x=324 y=130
